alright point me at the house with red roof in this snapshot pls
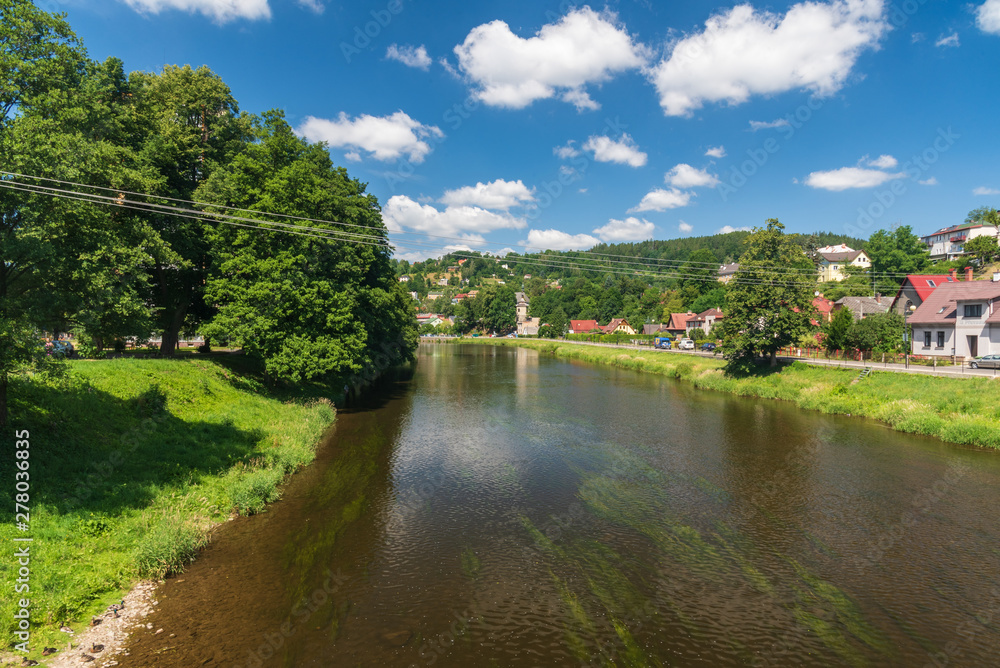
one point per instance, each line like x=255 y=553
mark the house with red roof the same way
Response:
x=678 y=323
x=583 y=326
x=618 y=326
x=824 y=307
x=959 y=318
x=916 y=288
x=703 y=321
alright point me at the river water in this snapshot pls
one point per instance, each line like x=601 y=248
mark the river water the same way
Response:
x=502 y=508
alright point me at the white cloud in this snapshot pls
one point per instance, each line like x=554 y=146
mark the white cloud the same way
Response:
x=742 y=52
x=409 y=56
x=583 y=47
x=567 y=151
x=401 y=213
x=988 y=17
x=220 y=11
x=384 y=137
x=313 y=5
x=661 y=200
x=686 y=176
x=630 y=229
x=497 y=194
x=685 y=227
x=882 y=162
x=916 y=37
x=716 y=152
x=557 y=240
x=985 y=191
x=929 y=182
x=767 y=125
x=726 y=229
x=624 y=152
x=850 y=177
x=352 y=156
x=948 y=40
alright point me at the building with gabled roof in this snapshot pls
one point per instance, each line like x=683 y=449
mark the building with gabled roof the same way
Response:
x=960 y=318
x=678 y=323
x=618 y=326
x=704 y=320
x=583 y=326
x=832 y=265
x=948 y=243
x=915 y=290
x=727 y=271
x=862 y=306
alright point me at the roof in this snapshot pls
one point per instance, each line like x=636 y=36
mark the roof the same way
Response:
x=615 y=322
x=823 y=305
x=955 y=228
x=728 y=269
x=844 y=256
x=521 y=298
x=921 y=285
x=705 y=315
x=654 y=328
x=678 y=321
x=581 y=326
x=862 y=306
x=942 y=304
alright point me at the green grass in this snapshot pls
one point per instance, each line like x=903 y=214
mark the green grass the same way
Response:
x=132 y=462
x=958 y=410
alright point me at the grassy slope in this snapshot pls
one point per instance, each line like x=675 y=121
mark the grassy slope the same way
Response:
x=131 y=462
x=959 y=410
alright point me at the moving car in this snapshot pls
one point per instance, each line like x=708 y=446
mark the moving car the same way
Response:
x=661 y=342
x=986 y=362
x=686 y=344
x=708 y=347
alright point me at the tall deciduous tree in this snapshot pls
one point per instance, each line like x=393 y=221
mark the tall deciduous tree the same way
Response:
x=895 y=253
x=306 y=307
x=838 y=330
x=769 y=302
x=984 y=249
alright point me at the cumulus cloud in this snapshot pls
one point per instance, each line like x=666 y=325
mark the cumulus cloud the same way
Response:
x=583 y=47
x=726 y=229
x=882 y=162
x=988 y=17
x=567 y=151
x=220 y=11
x=767 y=125
x=850 y=177
x=743 y=52
x=558 y=240
x=410 y=56
x=948 y=40
x=402 y=213
x=716 y=152
x=661 y=200
x=685 y=227
x=497 y=194
x=929 y=182
x=982 y=190
x=624 y=151
x=313 y=5
x=630 y=229
x=384 y=137
x=686 y=176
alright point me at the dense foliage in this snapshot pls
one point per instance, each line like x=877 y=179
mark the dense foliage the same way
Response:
x=304 y=306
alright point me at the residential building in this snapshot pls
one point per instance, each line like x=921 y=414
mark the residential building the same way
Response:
x=583 y=326
x=655 y=328
x=703 y=321
x=832 y=264
x=960 y=319
x=948 y=243
x=678 y=323
x=727 y=271
x=404 y=279
x=618 y=326
x=824 y=307
x=915 y=290
x=862 y=306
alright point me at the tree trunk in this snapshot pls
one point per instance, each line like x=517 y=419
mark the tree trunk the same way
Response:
x=171 y=335
x=774 y=358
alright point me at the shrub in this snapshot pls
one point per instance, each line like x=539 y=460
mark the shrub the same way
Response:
x=167 y=547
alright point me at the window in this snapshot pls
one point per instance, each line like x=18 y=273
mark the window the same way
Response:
x=940 y=340
x=973 y=310
x=927 y=339
x=931 y=283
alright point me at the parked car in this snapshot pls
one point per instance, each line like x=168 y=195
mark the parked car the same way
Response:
x=686 y=344
x=986 y=362
x=661 y=342
x=708 y=347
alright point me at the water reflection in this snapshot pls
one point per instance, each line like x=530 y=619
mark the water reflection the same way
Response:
x=507 y=509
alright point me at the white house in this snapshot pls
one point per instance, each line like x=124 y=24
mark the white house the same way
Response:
x=960 y=319
x=948 y=243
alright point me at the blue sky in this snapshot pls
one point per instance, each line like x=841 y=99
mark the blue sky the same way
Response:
x=554 y=125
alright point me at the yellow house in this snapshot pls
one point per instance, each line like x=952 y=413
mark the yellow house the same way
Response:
x=833 y=263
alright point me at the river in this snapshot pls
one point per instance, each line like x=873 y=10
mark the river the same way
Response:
x=498 y=507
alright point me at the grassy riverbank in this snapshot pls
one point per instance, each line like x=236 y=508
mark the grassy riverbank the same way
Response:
x=959 y=410
x=131 y=463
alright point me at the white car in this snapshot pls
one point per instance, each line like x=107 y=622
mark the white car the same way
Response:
x=686 y=344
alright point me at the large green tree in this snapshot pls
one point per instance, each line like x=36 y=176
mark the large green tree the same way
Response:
x=769 y=299
x=895 y=253
x=306 y=304
x=986 y=215
x=984 y=249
